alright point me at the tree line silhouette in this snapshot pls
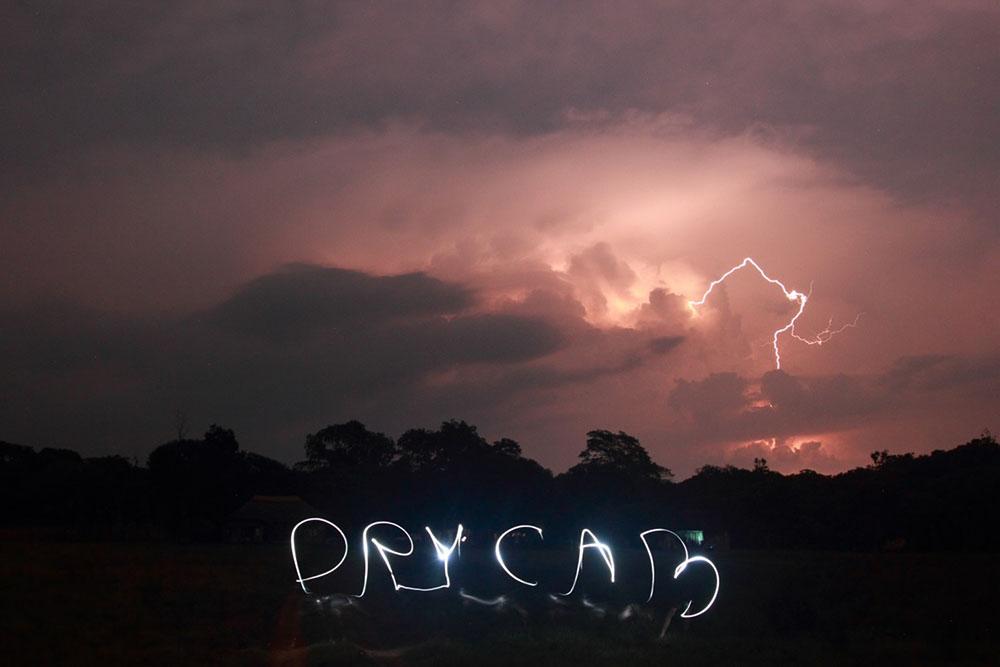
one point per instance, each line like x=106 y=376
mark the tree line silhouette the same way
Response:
x=946 y=500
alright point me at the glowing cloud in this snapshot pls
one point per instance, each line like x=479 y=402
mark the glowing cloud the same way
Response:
x=795 y=296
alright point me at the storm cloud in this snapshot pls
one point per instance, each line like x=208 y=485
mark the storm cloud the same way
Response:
x=278 y=217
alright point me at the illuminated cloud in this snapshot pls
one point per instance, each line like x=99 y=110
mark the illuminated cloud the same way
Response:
x=786 y=456
x=504 y=229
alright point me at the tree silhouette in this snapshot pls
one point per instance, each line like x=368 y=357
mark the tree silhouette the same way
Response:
x=621 y=453
x=196 y=484
x=456 y=442
x=941 y=500
x=879 y=458
x=221 y=440
x=348 y=445
x=507 y=447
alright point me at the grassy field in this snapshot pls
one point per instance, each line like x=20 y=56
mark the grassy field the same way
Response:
x=159 y=604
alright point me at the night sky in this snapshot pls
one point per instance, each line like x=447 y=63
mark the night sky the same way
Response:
x=277 y=216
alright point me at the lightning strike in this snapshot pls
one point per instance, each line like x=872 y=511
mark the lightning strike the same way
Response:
x=795 y=296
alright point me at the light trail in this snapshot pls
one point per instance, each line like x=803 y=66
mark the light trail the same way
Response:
x=597 y=609
x=649 y=552
x=498 y=601
x=500 y=560
x=603 y=549
x=443 y=553
x=382 y=551
x=800 y=298
x=295 y=558
x=715 y=594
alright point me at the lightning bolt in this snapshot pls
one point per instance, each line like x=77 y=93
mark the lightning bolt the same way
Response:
x=795 y=296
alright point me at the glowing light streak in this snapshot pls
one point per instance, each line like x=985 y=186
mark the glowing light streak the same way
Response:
x=382 y=551
x=649 y=552
x=443 y=553
x=295 y=557
x=339 y=601
x=795 y=296
x=597 y=609
x=496 y=550
x=680 y=568
x=498 y=601
x=603 y=549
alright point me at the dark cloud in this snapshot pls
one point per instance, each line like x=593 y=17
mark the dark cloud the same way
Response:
x=718 y=396
x=881 y=88
x=664 y=344
x=494 y=337
x=291 y=347
x=931 y=372
x=302 y=299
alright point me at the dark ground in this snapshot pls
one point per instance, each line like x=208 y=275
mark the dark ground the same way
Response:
x=106 y=603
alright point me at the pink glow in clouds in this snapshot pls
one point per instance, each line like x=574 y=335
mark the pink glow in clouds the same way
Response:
x=561 y=183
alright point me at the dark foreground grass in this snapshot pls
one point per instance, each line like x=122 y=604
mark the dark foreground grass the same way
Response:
x=170 y=604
